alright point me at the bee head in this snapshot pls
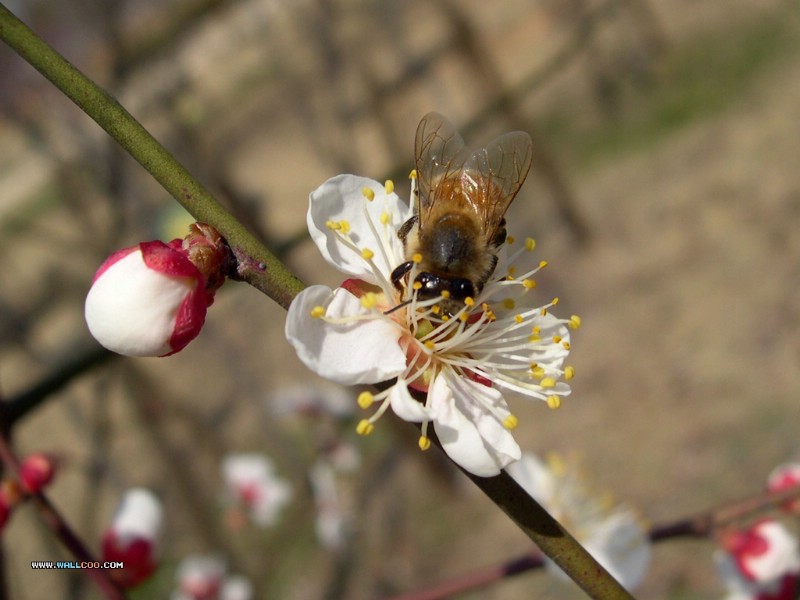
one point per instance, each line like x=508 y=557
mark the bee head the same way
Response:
x=432 y=285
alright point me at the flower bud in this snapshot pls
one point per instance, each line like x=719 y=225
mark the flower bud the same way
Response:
x=132 y=536
x=36 y=471
x=151 y=299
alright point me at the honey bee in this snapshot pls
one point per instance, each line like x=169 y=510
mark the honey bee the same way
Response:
x=459 y=214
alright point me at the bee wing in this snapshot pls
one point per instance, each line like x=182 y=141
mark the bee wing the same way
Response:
x=493 y=175
x=440 y=153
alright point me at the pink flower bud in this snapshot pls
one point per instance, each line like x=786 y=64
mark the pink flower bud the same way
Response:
x=132 y=536
x=763 y=553
x=36 y=471
x=784 y=477
x=147 y=300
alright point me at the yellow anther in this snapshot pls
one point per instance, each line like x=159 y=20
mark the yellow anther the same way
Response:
x=574 y=322
x=368 y=193
x=543 y=264
x=510 y=239
x=413 y=174
x=528 y=284
x=364 y=427
x=332 y=225
x=536 y=330
x=530 y=244
x=543 y=312
x=445 y=294
x=509 y=303
x=430 y=345
x=384 y=218
x=548 y=382
x=344 y=226
x=365 y=399
x=519 y=318
x=369 y=300
x=512 y=271
x=566 y=345
x=510 y=422
x=318 y=311
x=463 y=317
x=469 y=301
x=436 y=309
x=553 y=402
x=556 y=339
x=445 y=318
x=417 y=285
x=569 y=372
x=367 y=254
x=554 y=301
x=389 y=186
x=417 y=257
x=537 y=372
x=424 y=443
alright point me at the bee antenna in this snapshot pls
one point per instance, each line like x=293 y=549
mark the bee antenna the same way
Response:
x=398 y=307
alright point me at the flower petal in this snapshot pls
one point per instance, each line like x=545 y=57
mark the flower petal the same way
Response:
x=341 y=199
x=406 y=407
x=472 y=436
x=364 y=351
x=132 y=309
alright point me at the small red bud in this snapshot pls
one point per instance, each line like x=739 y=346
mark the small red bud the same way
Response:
x=36 y=471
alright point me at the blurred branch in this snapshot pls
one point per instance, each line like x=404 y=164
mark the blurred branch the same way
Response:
x=20 y=405
x=701 y=525
x=257 y=266
x=60 y=528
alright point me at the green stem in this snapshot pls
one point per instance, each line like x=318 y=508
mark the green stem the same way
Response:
x=257 y=266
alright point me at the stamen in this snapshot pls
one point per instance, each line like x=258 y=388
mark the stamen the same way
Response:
x=424 y=443
x=364 y=427
x=389 y=186
x=368 y=193
x=510 y=239
x=553 y=402
x=417 y=258
x=365 y=400
x=569 y=372
x=574 y=322
x=510 y=422
x=413 y=174
x=317 y=312
x=367 y=254
x=530 y=244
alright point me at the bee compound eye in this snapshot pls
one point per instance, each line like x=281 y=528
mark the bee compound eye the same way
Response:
x=430 y=285
x=461 y=288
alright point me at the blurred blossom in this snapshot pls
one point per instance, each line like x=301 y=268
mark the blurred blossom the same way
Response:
x=312 y=400
x=784 y=477
x=367 y=331
x=760 y=563
x=36 y=471
x=611 y=533
x=151 y=299
x=333 y=524
x=343 y=456
x=251 y=483
x=206 y=578
x=132 y=537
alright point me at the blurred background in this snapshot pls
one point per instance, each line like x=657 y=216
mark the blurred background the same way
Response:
x=665 y=195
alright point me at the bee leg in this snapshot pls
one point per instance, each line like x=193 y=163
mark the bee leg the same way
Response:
x=406 y=228
x=400 y=272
